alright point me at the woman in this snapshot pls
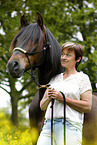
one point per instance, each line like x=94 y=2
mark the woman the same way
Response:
x=78 y=93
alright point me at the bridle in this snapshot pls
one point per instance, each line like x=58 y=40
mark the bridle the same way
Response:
x=33 y=53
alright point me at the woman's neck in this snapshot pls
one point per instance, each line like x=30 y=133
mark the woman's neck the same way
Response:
x=68 y=72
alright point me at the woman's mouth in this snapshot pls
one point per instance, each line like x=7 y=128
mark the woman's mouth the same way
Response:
x=64 y=61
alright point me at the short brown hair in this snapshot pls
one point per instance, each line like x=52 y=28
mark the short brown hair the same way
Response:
x=77 y=48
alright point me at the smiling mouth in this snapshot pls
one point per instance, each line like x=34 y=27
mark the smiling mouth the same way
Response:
x=64 y=61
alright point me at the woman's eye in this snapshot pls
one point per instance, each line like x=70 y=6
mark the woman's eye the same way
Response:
x=65 y=54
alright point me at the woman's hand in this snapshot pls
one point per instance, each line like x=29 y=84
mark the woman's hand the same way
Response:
x=54 y=94
x=45 y=101
x=48 y=95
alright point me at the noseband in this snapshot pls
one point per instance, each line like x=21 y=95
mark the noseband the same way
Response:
x=33 y=53
x=29 y=53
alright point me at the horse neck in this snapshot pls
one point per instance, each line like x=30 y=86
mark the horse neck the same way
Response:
x=43 y=79
x=42 y=76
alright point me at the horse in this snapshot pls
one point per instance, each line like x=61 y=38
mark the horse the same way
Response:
x=43 y=52
x=33 y=47
x=90 y=124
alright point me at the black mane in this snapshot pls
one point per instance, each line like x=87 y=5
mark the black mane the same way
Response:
x=52 y=65
x=30 y=32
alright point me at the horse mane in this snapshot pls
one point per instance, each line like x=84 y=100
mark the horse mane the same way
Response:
x=53 y=54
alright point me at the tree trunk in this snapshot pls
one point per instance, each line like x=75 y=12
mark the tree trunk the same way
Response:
x=14 y=113
x=14 y=101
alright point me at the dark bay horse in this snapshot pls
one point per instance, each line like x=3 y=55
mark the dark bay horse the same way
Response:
x=35 y=47
x=43 y=52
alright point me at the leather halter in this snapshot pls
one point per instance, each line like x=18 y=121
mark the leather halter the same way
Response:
x=33 y=53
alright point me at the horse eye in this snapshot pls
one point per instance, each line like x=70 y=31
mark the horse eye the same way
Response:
x=37 y=40
x=34 y=48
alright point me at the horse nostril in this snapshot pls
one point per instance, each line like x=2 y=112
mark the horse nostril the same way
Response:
x=15 y=65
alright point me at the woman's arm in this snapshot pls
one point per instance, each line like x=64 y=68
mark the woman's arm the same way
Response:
x=83 y=105
x=45 y=101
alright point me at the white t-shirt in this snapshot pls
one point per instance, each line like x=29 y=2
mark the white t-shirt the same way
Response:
x=72 y=87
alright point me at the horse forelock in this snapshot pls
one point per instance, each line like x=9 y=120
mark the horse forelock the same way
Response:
x=28 y=33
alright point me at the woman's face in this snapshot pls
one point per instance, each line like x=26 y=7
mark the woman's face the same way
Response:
x=68 y=58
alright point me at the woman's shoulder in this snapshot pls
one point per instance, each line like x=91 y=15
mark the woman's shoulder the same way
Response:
x=82 y=75
x=84 y=82
x=82 y=78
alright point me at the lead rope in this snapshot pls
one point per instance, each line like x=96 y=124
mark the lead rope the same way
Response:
x=64 y=117
x=32 y=74
x=52 y=113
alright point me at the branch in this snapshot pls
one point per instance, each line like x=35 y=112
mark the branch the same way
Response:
x=24 y=87
x=5 y=80
x=26 y=96
x=5 y=90
x=5 y=84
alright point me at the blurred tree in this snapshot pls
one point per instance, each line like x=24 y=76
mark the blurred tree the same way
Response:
x=71 y=20
x=9 y=21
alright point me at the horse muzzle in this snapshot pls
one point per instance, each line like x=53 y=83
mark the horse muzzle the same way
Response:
x=14 y=69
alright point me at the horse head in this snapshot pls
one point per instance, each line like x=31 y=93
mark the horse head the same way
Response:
x=34 y=46
x=31 y=38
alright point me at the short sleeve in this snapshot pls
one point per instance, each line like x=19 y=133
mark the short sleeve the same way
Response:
x=85 y=84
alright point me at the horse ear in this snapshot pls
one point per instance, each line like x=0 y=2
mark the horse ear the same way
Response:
x=39 y=20
x=24 y=21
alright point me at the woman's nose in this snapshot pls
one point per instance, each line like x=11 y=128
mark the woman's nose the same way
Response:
x=63 y=56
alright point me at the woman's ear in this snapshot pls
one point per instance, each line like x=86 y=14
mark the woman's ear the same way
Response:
x=78 y=62
x=79 y=59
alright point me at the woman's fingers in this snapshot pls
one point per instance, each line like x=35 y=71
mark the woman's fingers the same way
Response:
x=50 y=92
